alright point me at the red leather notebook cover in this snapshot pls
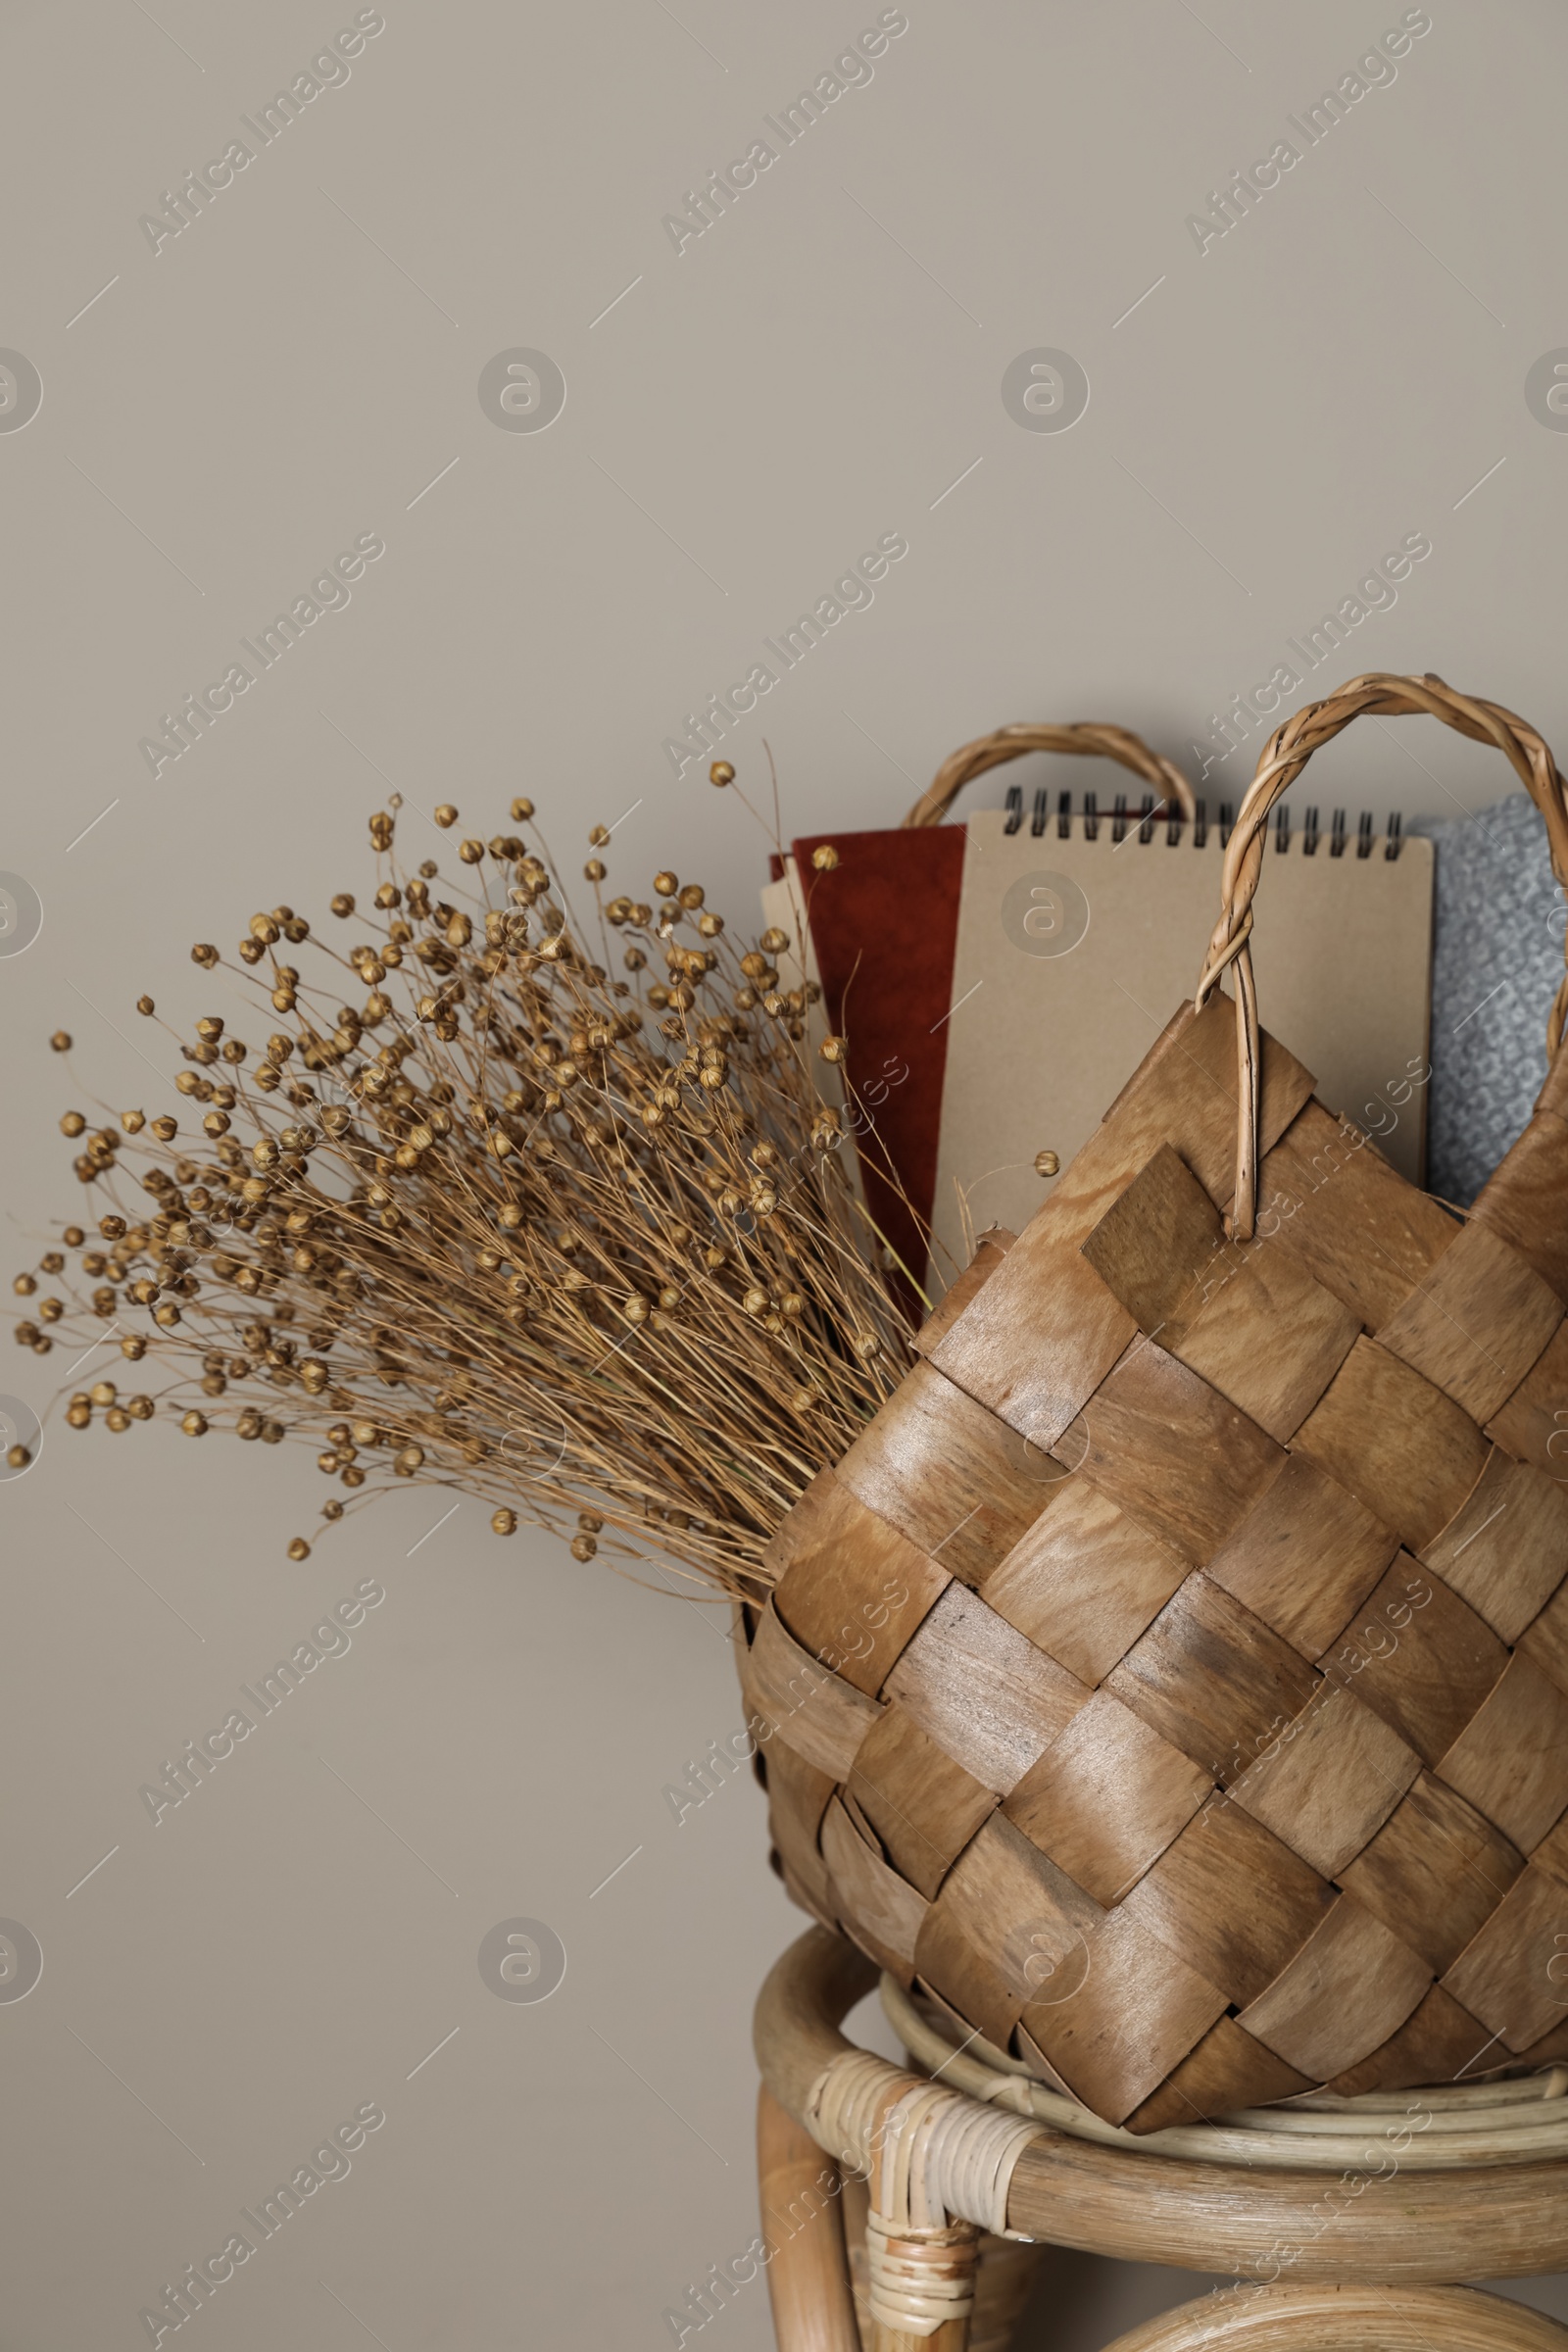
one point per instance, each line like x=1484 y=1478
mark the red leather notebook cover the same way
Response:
x=884 y=924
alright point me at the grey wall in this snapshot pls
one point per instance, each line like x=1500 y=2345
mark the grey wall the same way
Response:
x=1267 y=418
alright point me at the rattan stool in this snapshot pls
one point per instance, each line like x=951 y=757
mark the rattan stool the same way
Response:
x=1299 y=2203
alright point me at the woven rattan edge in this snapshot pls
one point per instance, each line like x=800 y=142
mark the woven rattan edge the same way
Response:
x=1440 y=2127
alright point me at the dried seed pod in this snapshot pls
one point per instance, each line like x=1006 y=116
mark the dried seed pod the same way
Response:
x=413 y=1272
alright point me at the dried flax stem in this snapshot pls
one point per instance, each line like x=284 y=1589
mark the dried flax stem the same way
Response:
x=582 y=1246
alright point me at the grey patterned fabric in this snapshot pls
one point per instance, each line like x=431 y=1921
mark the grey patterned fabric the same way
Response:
x=1497 y=960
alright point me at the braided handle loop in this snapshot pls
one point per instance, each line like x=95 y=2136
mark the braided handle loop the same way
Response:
x=1379 y=694
x=1089 y=738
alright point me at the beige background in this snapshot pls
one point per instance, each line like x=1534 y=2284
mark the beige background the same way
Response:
x=819 y=368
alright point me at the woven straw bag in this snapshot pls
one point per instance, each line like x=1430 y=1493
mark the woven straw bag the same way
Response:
x=1171 y=1681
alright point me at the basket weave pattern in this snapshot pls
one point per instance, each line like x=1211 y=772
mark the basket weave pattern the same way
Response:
x=1172 y=1679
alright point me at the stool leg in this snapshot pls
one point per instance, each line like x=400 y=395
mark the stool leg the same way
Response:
x=803 y=2229
x=927 y=2260
x=1002 y=2285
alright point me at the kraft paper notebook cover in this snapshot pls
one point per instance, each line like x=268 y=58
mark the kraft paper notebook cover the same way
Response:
x=997 y=988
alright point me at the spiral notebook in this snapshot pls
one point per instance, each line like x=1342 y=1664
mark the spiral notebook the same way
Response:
x=999 y=981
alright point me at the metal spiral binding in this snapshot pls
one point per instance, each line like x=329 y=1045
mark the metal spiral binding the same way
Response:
x=1176 y=824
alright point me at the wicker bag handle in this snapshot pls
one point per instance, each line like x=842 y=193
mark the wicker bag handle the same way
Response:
x=1090 y=738
x=1283 y=758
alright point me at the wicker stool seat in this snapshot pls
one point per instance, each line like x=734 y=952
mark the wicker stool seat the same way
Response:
x=948 y=2173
